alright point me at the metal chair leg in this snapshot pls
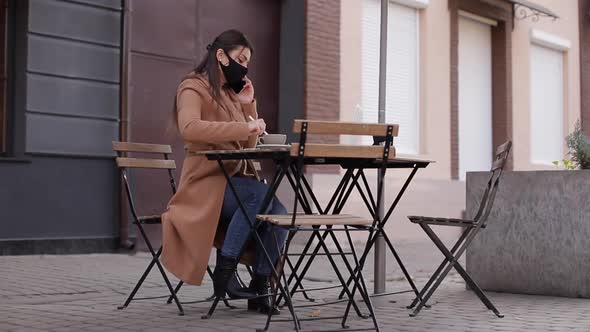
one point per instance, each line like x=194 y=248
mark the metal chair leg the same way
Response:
x=155 y=257
x=340 y=278
x=211 y=309
x=284 y=290
x=438 y=270
x=401 y=265
x=351 y=270
x=360 y=278
x=477 y=290
x=169 y=285
x=305 y=268
x=170 y=298
x=453 y=263
x=294 y=272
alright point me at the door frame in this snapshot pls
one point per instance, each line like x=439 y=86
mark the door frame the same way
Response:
x=500 y=11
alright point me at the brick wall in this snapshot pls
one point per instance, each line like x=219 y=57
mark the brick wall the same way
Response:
x=322 y=66
x=502 y=86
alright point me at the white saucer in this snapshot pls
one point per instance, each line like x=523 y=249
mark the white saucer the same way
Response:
x=273 y=146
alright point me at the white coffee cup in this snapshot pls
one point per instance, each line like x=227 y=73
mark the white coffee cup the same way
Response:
x=273 y=139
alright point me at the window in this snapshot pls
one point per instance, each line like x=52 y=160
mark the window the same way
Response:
x=546 y=97
x=402 y=71
x=3 y=73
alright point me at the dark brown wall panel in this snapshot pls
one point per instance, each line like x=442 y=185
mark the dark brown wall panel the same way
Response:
x=162 y=42
x=153 y=86
x=165 y=28
x=167 y=38
x=260 y=21
x=154 y=83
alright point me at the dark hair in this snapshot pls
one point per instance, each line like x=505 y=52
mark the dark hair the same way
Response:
x=228 y=40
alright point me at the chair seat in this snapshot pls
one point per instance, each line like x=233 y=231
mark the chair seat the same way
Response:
x=442 y=221
x=155 y=219
x=316 y=220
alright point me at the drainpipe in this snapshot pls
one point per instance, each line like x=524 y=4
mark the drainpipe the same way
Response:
x=380 y=254
x=124 y=240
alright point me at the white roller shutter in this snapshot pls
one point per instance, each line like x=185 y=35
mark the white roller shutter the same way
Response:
x=546 y=105
x=475 y=96
x=402 y=71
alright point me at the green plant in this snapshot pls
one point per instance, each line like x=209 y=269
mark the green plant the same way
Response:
x=579 y=147
x=567 y=164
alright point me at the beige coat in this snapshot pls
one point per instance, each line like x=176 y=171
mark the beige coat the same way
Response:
x=190 y=222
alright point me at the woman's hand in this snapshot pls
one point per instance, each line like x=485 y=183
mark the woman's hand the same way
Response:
x=246 y=96
x=257 y=126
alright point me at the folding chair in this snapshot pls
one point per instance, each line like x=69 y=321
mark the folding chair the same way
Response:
x=471 y=229
x=328 y=224
x=124 y=164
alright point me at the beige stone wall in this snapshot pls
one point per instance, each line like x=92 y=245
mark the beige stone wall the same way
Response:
x=435 y=94
x=565 y=27
x=435 y=136
x=350 y=60
x=433 y=192
x=434 y=79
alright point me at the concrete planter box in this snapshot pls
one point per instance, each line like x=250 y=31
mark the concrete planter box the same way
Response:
x=538 y=236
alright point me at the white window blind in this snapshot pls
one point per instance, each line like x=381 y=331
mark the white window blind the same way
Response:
x=402 y=71
x=546 y=102
x=475 y=96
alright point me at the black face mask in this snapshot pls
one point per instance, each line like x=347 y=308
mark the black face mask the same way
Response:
x=234 y=74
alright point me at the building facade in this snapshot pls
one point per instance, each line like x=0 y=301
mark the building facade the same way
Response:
x=79 y=74
x=463 y=76
x=59 y=189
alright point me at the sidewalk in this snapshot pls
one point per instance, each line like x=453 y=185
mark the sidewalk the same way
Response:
x=82 y=292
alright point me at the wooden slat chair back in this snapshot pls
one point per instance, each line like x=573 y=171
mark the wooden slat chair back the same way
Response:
x=125 y=163
x=380 y=132
x=302 y=150
x=161 y=162
x=327 y=224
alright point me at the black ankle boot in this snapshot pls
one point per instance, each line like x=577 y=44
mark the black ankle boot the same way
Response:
x=223 y=272
x=236 y=290
x=225 y=280
x=261 y=284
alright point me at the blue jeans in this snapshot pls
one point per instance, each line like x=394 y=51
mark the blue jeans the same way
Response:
x=251 y=193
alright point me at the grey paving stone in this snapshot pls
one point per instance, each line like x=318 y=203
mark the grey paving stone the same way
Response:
x=81 y=293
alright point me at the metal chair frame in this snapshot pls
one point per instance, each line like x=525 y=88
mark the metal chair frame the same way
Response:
x=339 y=198
x=139 y=222
x=349 y=181
x=471 y=229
